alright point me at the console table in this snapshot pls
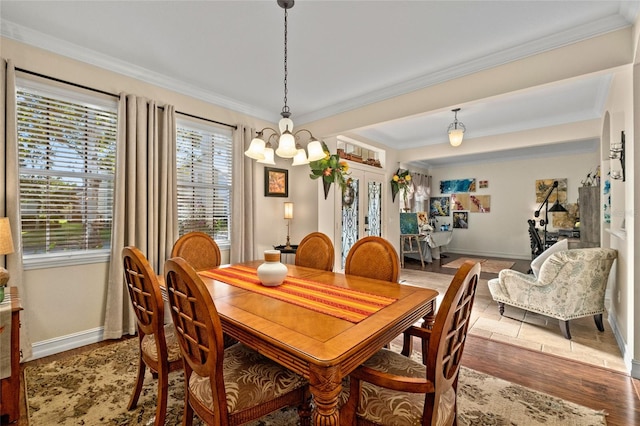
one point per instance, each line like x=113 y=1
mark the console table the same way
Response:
x=10 y=386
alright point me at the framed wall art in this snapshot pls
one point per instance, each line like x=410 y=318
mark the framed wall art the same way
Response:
x=460 y=220
x=276 y=182
x=439 y=206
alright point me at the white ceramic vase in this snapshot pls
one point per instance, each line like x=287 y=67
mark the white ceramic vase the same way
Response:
x=272 y=272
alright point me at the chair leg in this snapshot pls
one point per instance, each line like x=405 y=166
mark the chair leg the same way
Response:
x=564 y=327
x=599 y=323
x=138 y=387
x=187 y=413
x=163 y=391
x=407 y=345
x=501 y=308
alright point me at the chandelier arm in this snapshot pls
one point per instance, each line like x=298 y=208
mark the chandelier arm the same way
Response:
x=295 y=134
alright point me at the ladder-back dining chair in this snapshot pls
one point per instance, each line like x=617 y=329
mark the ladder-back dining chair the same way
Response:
x=228 y=386
x=315 y=251
x=373 y=257
x=392 y=389
x=157 y=342
x=199 y=249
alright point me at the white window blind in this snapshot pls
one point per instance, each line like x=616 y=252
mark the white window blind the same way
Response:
x=204 y=180
x=67 y=145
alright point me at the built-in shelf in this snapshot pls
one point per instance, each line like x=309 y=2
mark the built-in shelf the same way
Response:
x=358 y=152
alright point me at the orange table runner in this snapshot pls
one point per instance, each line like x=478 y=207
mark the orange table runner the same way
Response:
x=339 y=302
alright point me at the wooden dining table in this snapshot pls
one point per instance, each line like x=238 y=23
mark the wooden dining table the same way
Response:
x=321 y=347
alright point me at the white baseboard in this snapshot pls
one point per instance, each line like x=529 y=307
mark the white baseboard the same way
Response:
x=485 y=254
x=633 y=366
x=65 y=343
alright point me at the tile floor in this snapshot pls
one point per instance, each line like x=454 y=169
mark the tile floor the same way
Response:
x=529 y=330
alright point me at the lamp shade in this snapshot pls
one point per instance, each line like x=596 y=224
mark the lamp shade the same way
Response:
x=455 y=137
x=557 y=207
x=268 y=156
x=300 y=158
x=288 y=210
x=256 y=149
x=6 y=241
x=287 y=145
x=315 y=151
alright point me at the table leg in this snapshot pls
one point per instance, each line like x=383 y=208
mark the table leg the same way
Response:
x=325 y=385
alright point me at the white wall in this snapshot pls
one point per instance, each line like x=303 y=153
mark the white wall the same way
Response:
x=504 y=231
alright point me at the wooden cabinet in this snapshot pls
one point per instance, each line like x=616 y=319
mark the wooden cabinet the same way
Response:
x=589 y=197
x=10 y=386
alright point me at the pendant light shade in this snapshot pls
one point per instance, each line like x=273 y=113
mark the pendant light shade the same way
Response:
x=287 y=145
x=315 y=150
x=256 y=148
x=268 y=156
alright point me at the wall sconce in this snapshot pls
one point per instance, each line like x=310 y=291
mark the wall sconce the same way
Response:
x=288 y=214
x=616 y=151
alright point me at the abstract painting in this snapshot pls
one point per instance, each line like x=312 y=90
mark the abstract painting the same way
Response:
x=544 y=185
x=473 y=203
x=457 y=185
x=440 y=206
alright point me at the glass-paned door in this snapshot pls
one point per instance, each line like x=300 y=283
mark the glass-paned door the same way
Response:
x=361 y=209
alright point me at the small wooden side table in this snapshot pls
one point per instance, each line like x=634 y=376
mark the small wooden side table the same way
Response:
x=10 y=386
x=283 y=250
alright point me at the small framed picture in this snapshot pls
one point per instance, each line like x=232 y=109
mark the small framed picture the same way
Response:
x=461 y=219
x=276 y=182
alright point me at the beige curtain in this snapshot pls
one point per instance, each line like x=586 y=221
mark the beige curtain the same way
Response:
x=145 y=205
x=243 y=196
x=11 y=196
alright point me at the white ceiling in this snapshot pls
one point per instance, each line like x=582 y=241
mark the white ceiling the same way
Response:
x=341 y=55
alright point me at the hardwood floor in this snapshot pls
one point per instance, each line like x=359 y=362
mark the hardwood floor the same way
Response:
x=596 y=387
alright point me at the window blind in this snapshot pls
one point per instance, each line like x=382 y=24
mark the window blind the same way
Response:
x=204 y=164
x=66 y=163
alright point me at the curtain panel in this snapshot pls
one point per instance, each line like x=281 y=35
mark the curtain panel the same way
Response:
x=243 y=196
x=11 y=196
x=145 y=202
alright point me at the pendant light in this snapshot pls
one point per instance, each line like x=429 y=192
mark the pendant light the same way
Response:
x=456 y=130
x=287 y=139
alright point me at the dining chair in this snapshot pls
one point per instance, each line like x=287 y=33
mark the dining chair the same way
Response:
x=224 y=386
x=393 y=389
x=315 y=251
x=202 y=253
x=373 y=257
x=199 y=249
x=158 y=345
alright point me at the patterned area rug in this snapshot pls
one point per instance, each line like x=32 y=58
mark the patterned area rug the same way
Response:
x=94 y=388
x=488 y=265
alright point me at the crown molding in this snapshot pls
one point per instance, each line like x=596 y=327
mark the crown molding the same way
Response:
x=541 y=45
x=70 y=50
x=582 y=32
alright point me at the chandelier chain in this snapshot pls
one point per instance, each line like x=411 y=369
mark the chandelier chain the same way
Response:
x=285 y=108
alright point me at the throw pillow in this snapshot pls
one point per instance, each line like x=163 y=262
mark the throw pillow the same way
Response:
x=536 y=263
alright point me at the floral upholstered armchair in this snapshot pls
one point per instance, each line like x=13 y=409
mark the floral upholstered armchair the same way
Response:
x=571 y=284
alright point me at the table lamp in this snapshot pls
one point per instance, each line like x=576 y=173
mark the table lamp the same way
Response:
x=288 y=214
x=6 y=247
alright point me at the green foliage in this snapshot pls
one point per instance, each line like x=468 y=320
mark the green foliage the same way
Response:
x=330 y=168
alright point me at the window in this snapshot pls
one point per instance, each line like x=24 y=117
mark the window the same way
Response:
x=67 y=144
x=204 y=180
